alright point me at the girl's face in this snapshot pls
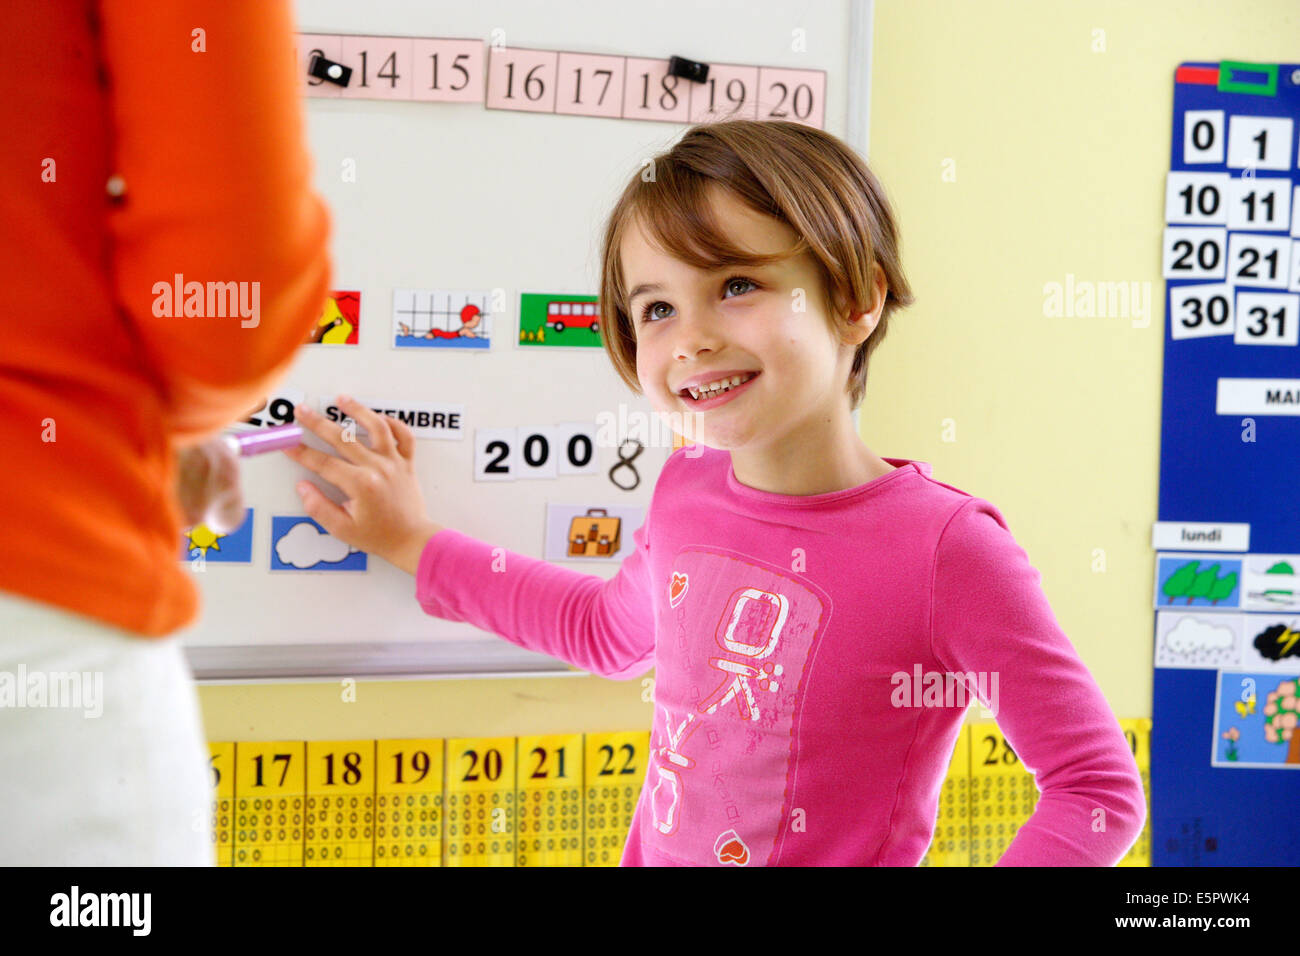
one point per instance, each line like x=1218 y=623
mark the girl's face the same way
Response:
x=769 y=320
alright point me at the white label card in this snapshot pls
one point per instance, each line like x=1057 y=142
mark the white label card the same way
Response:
x=1203 y=136
x=1266 y=318
x=1197 y=311
x=1259 y=261
x=1194 y=252
x=1259 y=142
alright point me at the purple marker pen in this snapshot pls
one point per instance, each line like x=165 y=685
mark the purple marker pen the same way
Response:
x=263 y=440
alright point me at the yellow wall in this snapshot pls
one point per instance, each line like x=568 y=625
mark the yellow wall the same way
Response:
x=1060 y=155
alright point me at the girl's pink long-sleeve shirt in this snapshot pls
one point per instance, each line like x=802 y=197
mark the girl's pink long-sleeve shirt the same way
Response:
x=787 y=634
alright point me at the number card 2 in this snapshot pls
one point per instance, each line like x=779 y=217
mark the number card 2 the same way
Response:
x=409 y=831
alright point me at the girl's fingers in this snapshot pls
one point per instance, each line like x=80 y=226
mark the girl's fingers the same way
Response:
x=333 y=469
x=332 y=435
x=326 y=513
x=381 y=439
x=404 y=437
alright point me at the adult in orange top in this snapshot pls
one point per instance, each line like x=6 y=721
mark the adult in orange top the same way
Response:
x=145 y=141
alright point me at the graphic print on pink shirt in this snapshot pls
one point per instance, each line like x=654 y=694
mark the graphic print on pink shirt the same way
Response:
x=724 y=745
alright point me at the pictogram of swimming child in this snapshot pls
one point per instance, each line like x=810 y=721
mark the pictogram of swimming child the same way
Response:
x=470 y=316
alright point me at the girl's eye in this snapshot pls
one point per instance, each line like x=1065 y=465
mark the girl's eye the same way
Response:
x=730 y=283
x=740 y=279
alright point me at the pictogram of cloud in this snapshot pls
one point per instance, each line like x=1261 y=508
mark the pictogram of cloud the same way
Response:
x=303 y=546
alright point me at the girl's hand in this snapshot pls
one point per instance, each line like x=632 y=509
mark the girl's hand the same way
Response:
x=384 y=513
x=207 y=486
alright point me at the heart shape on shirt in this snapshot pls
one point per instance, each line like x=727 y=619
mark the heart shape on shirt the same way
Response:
x=677 y=589
x=730 y=848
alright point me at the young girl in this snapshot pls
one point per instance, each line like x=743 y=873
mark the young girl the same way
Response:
x=816 y=615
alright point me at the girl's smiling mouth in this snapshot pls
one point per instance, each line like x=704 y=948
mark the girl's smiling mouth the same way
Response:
x=714 y=399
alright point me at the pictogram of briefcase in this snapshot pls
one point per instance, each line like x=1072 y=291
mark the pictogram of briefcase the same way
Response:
x=594 y=534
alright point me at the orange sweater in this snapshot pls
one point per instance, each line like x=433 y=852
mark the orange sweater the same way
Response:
x=96 y=390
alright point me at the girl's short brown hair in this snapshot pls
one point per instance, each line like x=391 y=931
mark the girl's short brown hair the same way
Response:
x=801 y=176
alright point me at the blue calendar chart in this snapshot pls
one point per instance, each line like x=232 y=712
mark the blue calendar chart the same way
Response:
x=1225 y=740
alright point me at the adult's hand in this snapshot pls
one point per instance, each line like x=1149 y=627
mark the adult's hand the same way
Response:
x=207 y=486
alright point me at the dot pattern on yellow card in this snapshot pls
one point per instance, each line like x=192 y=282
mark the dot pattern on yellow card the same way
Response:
x=615 y=767
x=481 y=801
x=270 y=778
x=549 y=799
x=340 y=803
x=222 y=774
x=1003 y=794
x=409 y=827
x=951 y=845
x=1137 y=731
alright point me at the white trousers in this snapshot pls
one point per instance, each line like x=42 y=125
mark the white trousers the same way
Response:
x=103 y=760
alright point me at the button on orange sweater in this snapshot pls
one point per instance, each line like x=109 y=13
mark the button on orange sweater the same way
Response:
x=203 y=131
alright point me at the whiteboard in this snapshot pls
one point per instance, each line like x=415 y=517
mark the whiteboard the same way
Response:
x=456 y=196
